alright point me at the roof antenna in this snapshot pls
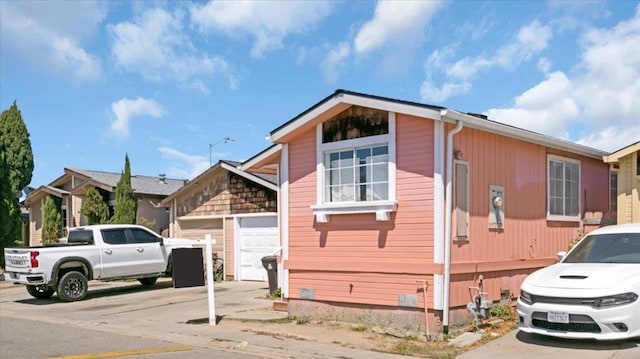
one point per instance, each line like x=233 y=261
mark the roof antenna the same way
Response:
x=223 y=139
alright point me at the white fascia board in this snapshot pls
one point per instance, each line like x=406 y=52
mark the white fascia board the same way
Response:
x=249 y=176
x=521 y=134
x=616 y=156
x=363 y=101
x=257 y=159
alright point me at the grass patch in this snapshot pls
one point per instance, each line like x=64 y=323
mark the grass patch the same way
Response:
x=434 y=350
x=502 y=311
x=302 y=321
x=359 y=328
x=286 y=320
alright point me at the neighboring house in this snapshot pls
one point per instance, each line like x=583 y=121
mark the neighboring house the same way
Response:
x=237 y=208
x=71 y=187
x=626 y=161
x=377 y=194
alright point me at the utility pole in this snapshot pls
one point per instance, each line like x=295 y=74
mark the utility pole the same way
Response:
x=223 y=139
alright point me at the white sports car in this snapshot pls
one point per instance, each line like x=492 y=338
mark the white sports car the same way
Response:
x=592 y=293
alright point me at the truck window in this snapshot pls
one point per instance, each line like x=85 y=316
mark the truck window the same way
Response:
x=114 y=236
x=80 y=236
x=142 y=236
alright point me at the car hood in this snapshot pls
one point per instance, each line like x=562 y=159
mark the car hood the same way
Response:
x=585 y=275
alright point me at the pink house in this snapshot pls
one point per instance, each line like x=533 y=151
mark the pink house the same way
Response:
x=378 y=194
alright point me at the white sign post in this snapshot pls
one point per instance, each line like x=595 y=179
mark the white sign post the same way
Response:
x=212 y=301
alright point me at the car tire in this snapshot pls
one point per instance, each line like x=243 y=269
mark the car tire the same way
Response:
x=72 y=287
x=40 y=291
x=148 y=281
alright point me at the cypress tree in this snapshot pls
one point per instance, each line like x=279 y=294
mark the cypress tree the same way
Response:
x=126 y=206
x=51 y=220
x=16 y=169
x=94 y=207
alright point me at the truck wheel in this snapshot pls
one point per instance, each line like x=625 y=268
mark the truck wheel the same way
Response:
x=148 y=281
x=40 y=291
x=72 y=287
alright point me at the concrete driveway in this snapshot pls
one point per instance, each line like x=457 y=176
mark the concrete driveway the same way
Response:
x=246 y=322
x=522 y=345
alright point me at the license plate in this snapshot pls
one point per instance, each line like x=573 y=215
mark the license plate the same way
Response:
x=18 y=263
x=558 y=317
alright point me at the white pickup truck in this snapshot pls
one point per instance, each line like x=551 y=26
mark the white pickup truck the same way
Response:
x=102 y=252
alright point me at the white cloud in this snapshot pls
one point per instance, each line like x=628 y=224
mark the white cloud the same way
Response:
x=601 y=100
x=126 y=109
x=531 y=39
x=544 y=65
x=156 y=45
x=269 y=22
x=394 y=20
x=50 y=34
x=333 y=63
x=546 y=108
x=190 y=166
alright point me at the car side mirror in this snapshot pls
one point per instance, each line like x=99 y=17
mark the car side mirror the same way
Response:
x=560 y=255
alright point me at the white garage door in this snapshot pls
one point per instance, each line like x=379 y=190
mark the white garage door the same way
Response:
x=258 y=237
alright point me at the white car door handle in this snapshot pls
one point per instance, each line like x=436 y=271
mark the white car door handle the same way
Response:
x=140 y=249
x=107 y=251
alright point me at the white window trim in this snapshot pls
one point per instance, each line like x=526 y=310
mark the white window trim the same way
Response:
x=554 y=217
x=382 y=209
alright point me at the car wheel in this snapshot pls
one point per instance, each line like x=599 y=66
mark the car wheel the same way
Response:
x=40 y=291
x=72 y=287
x=148 y=281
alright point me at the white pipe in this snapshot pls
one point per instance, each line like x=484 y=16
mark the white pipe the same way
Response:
x=447 y=228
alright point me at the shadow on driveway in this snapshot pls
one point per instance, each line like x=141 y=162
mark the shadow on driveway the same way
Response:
x=545 y=341
x=125 y=288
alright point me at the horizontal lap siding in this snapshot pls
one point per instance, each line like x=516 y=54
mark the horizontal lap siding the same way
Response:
x=405 y=240
x=521 y=168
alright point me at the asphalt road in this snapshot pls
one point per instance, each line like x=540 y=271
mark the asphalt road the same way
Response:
x=28 y=339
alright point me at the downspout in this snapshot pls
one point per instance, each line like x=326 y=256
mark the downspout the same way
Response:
x=447 y=228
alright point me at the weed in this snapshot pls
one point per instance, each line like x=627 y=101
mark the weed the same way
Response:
x=302 y=321
x=502 y=311
x=359 y=328
x=286 y=320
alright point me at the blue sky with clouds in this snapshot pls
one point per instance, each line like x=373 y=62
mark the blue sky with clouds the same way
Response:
x=163 y=80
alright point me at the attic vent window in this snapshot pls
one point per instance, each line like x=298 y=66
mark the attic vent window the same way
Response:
x=355 y=122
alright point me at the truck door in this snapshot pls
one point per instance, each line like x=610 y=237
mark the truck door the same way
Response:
x=150 y=256
x=117 y=255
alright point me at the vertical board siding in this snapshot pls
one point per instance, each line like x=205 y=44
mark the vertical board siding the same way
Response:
x=521 y=168
x=229 y=255
x=359 y=237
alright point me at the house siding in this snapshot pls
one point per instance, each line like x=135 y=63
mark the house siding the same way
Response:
x=628 y=189
x=353 y=258
x=528 y=240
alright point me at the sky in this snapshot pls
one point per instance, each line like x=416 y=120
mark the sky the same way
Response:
x=167 y=81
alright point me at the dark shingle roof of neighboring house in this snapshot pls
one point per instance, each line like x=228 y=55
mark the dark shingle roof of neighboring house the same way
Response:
x=140 y=184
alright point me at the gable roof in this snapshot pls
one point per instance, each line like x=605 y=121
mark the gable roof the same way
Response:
x=342 y=99
x=140 y=184
x=623 y=152
x=42 y=191
x=266 y=180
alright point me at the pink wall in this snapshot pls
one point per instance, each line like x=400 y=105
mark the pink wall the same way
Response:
x=521 y=168
x=380 y=259
x=355 y=259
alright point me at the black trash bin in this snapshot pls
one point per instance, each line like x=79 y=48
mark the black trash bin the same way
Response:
x=270 y=263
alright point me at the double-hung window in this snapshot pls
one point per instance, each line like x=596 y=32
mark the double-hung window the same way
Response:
x=563 y=189
x=356 y=164
x=357 y=174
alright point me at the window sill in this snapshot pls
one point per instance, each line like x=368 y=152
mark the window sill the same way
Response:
x=382 y=209
x=563 y=218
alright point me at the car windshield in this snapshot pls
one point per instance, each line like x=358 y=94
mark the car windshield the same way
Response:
x=606 y=248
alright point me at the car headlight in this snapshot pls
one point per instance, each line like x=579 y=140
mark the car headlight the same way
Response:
x=525 y=297
x=613 y=300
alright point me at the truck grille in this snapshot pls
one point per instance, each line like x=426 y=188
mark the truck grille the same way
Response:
x=577 y=323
